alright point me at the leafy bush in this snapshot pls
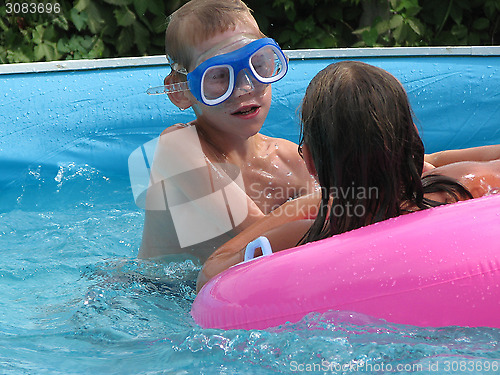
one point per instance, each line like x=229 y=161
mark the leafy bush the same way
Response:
x=368 y=23
x=309 y=23
x=118 y=28
x=85 y=29
x=434 y=23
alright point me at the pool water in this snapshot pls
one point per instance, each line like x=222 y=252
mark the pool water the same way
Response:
x=75 y=300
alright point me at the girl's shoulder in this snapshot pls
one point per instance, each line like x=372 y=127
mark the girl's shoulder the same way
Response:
x=479 y=177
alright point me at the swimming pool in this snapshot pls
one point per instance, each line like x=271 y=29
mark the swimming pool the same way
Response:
x=76 y=301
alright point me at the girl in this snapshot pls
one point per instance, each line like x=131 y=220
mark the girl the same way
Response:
x=360 y=142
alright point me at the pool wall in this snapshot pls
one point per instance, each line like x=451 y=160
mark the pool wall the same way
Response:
x=96 y=112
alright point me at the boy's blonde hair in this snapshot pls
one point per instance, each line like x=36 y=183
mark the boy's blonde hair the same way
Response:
x=198 y=20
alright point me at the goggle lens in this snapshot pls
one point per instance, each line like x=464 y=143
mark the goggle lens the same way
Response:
x=216 y=81
x=266 y=63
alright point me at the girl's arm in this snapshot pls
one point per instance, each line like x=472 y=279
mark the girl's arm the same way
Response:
x=284 y=227
x=283 y=237
x=483 y=153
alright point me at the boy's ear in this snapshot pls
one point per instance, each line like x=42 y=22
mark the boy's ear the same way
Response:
x=306 y=154
x=180 y=98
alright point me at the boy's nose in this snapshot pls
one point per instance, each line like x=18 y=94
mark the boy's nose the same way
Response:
x=244 y=82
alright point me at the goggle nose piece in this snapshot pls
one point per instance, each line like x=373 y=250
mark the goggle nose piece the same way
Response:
x=244 y=82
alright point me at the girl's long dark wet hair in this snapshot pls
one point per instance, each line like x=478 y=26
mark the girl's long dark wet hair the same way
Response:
x=358 y=125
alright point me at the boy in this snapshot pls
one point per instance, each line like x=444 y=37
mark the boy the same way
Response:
x=213 y=177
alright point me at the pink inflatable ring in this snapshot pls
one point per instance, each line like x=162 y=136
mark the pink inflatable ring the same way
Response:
x=437 y=267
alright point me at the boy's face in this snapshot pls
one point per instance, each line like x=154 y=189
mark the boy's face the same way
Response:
x=244 y=112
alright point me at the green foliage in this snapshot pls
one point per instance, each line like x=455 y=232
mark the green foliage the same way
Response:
x=376 y=23
x=434 y=23
x=118 y=28
x=85 y=29
x=309 y=23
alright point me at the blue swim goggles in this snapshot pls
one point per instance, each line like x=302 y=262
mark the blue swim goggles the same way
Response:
x=214 y=80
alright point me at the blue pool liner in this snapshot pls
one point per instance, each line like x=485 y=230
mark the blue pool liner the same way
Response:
x=96 y=112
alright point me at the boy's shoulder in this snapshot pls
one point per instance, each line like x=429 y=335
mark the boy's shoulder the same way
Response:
x=283 y=147
x=175 y=127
